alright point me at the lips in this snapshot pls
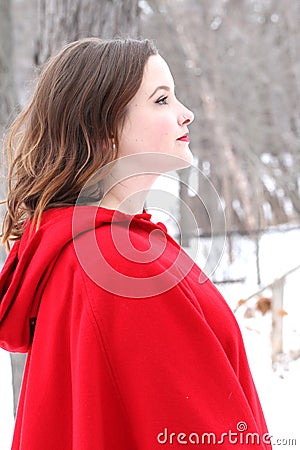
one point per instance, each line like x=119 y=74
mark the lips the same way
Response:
x=184 y=138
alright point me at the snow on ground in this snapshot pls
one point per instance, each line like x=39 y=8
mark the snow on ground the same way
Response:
x=279 y=390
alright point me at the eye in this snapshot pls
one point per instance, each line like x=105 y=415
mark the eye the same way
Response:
x=162 y=100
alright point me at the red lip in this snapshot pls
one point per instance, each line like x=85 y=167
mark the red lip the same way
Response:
x=184 y=138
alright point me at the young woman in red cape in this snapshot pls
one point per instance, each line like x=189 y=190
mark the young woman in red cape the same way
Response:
x=129 y=345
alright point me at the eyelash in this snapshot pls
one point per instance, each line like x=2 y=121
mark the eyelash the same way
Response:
x=163 y=100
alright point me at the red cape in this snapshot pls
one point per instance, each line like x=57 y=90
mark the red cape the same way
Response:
x=129 y=345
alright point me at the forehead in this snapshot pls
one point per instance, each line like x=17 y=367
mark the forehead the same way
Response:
x=156 y=73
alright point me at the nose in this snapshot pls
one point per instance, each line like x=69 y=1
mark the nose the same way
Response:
x=186 y=117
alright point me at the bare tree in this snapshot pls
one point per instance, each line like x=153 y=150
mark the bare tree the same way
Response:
x=7 y=109
x=7 y=91
x=236 y=64
x=64 y=21
x=7 y=97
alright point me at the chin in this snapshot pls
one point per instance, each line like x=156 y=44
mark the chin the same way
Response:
x=185 y=159
x=161 y=162
x=166 y=162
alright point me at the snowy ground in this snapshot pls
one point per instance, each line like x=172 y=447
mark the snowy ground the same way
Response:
x=280 y=390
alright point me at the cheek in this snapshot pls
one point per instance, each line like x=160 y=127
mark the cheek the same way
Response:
x=165 y=125
x=148 y=131
x=159 y=131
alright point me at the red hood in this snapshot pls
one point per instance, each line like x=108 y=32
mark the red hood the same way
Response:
x=23 y=276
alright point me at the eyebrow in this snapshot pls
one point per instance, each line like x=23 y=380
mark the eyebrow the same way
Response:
x=166 y=88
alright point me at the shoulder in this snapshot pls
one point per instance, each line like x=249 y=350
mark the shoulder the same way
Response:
x=137 y=260
x=123 y=256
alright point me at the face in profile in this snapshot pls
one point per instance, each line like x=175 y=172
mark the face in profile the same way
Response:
x=156 y=121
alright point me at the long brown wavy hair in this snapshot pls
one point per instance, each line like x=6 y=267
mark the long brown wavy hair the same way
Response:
x=70 y=128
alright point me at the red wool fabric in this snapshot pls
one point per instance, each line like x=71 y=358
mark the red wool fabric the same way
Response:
x=132 y=348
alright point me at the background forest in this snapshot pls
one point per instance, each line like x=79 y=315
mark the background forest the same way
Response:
x=236 y=64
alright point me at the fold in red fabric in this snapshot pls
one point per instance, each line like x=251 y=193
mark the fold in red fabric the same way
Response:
x=129 y=345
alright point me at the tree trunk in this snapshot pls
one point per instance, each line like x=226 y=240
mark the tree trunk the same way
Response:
x=7 y=88
x=63 y=21
x=7 y=110
x=17 y=365
x=7 y=91
x=277 y=307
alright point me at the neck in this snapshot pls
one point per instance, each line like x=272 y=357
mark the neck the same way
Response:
x=129 y=195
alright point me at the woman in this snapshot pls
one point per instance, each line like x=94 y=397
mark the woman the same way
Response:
x=126 y=348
